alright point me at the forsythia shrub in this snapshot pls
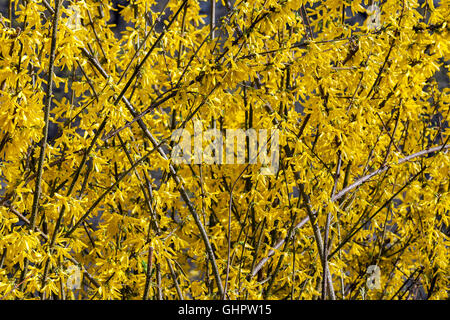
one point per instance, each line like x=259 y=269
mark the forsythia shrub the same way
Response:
x=358 y=207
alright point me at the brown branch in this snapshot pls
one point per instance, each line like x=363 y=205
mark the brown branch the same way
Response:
x=366 y=178
x=148 y=273
x=313 y=220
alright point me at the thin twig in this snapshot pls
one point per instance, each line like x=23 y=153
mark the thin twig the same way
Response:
x=366 y=178
x=148 y=273
x=37 y=192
